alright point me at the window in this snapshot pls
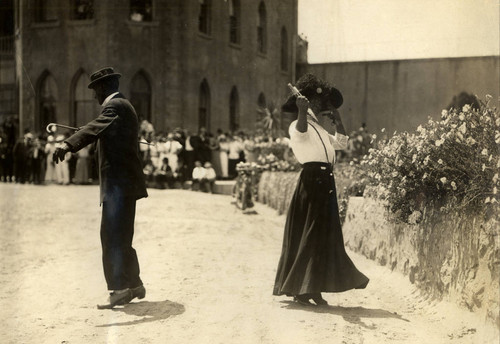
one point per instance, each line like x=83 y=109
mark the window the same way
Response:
x=141 y=10
x=45 y=11
x=47 y=101
x=140 y=95
x=83 y=102
x=284 y=50
x=204 y=106
x=234 y=21
x=261 y=101
x=82 y=9
x=234 y=110
x=262 y=29
x=204 y=18
x=8 y=99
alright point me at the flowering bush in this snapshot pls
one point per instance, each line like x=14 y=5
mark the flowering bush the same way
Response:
x=452 y=162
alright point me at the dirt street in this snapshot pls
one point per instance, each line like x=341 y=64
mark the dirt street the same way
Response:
x=208 y=270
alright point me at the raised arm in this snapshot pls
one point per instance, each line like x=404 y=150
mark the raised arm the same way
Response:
x=303 y=106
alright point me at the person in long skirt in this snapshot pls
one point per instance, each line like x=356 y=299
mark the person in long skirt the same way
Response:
x=313 y=258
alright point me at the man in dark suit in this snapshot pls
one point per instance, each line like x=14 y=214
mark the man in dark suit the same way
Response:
x=121 y=183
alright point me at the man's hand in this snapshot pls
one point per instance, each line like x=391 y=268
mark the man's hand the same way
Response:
x=60 y=153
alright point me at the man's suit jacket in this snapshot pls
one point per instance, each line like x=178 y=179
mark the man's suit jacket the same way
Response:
x=116 y=132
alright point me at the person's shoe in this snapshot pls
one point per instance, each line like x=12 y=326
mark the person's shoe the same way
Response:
x=117 y=297
x=318 y=299
x=303 y=299
x=139 y=292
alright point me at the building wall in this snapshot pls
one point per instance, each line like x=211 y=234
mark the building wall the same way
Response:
x=400 y=95
x=170 y=51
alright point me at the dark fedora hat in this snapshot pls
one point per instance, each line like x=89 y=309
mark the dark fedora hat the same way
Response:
x=311 y=86
x=101 y=74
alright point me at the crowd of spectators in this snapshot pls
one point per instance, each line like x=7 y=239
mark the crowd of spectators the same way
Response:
x=174 y=159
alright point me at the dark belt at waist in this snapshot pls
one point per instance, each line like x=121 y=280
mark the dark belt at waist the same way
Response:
x=318 y=165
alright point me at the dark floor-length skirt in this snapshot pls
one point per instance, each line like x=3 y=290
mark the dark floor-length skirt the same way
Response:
x=313 y=257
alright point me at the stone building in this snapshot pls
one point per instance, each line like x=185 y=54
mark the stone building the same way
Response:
x=184 y=63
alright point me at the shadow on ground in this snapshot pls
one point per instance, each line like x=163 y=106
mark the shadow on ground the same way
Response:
x=353 y=315
x=149 y=311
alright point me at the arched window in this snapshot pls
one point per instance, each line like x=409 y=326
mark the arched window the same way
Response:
x=47 y=101
x=82 y=9
x=284 y=49
x=262 y=29
x=205 y=17
x=204 y=106
x=141 y=10
x=45 y=10
x=234 y=110
x=140 y=95
x=84 y=108
x=261 y=101
x=234 y=21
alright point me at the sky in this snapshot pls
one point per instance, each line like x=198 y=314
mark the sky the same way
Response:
x=367 y=30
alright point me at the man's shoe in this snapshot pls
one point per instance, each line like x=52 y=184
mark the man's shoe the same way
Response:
x=117 y=297
x=139 y=292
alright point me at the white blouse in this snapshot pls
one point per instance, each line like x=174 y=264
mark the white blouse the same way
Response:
x=307 y=146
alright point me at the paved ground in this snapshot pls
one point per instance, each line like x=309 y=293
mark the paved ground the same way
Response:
x=208 y=270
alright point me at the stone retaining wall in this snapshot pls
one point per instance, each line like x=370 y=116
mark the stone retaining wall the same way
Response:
x=454 y=257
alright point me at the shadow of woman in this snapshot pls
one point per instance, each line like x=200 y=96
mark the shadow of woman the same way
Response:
x=353 y=315
x=149 y=311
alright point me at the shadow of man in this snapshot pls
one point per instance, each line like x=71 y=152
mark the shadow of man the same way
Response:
x=353 y=315
x=149 y=311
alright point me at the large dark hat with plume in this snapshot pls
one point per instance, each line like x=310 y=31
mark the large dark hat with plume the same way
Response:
x=312 y=87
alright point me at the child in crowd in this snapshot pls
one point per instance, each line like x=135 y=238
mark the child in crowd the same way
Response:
x=210 y=177
x=199 y=176
x=164 y=175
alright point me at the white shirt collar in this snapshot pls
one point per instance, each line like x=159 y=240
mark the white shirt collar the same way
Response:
x=108 y=98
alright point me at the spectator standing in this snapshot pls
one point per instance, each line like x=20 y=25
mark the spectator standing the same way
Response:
x=171 y=150
x=37 y=156
x=21 y=158
x=50 y=171
x=223 y=155
x=235 y=149
x=189 y=154
x=62 y=169
x=82 y=166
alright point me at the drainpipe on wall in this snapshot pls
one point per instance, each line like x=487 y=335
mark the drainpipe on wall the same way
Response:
x=19 y=58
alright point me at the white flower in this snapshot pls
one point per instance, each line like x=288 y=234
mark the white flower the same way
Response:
x=470 y=141
x=424 y=176
x=495 y=190
x=444 y=113
x=454 y=185
x=351 y=163
x=439 y=142
x=461 y=117
x=414 y=158
x=463 y=128
x=440 y=161
x=495 y=178
x=382 y=130
x=484 y=152
x=466 y=108
x=487 y=200
x=491 y=157
x=394 y=174
x=443 y=180
x=483 y=167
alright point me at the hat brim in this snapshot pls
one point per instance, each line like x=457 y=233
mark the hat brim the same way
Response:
x=96 y=81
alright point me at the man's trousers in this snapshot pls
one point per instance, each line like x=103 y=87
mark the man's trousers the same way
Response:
x=121 y=266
